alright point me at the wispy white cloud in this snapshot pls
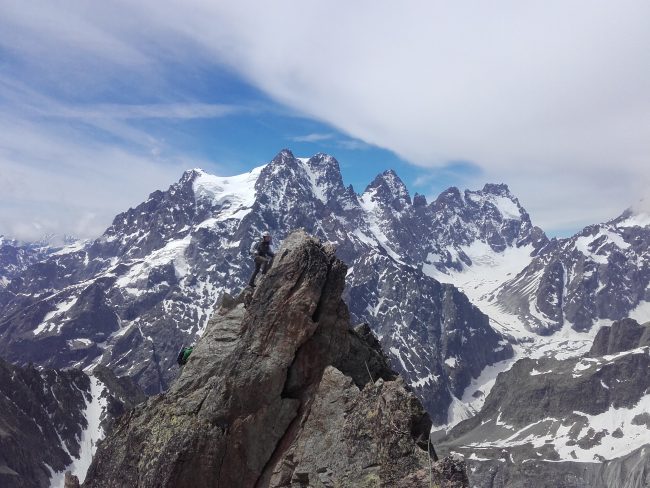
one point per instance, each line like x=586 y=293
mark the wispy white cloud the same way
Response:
x=176 y=111
x=69 y=167
x=52 y=31
x=333 y=140
x=314 y=137
x=535 y=94
x=353 y=144
x=58 y=175
x=54 y=180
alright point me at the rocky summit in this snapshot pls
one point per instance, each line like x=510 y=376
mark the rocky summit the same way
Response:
x=280 y=392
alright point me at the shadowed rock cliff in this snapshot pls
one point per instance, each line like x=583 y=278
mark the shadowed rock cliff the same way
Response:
x=279 y=394
x=46 y=417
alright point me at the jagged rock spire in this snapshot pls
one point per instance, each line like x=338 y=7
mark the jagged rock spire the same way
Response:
x=388 y=187
x=271 y=396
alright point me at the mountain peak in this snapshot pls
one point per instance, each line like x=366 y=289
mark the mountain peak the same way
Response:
x=499 y=197
x=500 y=189
x=283 y=155
x=419 y=200
x=190 y=175
x=323 y=163
x=451 y=197
x=389 y=187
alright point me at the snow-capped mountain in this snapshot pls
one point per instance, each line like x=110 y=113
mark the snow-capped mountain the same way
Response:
x=600 y=274
x=550 y=299
x=130 y=298
x=575 y=422
x=456 y=289
x=51 y=421
x=15 y=257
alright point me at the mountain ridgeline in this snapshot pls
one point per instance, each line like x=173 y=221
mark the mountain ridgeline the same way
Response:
x=456 y=290
x=150 y=283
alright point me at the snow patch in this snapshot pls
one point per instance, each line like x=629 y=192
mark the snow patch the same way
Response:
x=90 y=436
x=584 y=243
x=397 y=354
x=430 y=378
x=369 y=205
x=71 y=248
x=534 y=372
x=641 y=312
x=457 y=412
x=51 y=318
x=488 y=271
x=475 y=394
x=317 y=190
x=172 y=252
x=508 y=209
x=451 y=362
x=233 y=195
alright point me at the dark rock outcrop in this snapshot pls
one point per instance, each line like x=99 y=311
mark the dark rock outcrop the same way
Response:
x=623 y=335
x=262 y=401
x=70 y=481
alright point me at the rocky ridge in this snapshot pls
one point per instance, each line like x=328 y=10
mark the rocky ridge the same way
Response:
x=281 y=393
x=16 y=257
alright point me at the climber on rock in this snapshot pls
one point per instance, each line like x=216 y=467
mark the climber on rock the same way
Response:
x=262 y=252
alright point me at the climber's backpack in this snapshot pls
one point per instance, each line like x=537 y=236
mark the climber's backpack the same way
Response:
x=183 y=355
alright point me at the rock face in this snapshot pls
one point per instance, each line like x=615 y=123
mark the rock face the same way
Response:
x=149 y=284
x=277 y=394
x=46 y=417
x=623 y=335
x=437 y=339
x=580 y=422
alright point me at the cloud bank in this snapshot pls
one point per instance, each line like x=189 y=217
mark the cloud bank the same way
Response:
x=549 y=97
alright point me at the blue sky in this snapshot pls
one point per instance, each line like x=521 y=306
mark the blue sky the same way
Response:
x=102 y=103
